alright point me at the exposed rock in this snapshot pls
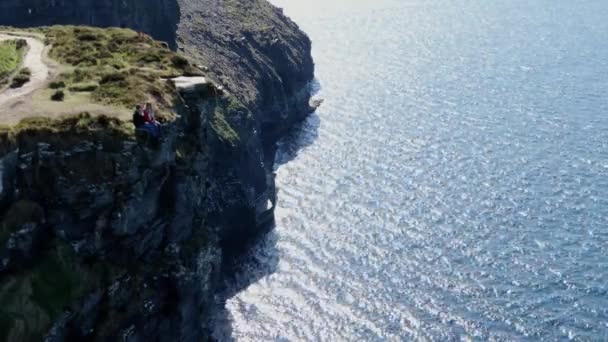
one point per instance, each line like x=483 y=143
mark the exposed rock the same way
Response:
x=120 y=292
x=316 y=102
x=251 y=48
x=151 y=226
x=22 y=247
x=58 y=332
x=190 y=84
x=86 y=317
x=8 y=167
x=158 y=17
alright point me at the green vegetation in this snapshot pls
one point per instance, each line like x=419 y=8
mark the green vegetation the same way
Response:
x=84 y=87
x=57 y=85
x=222 y=127
x=66 y=131
x=54 y=283
x=226 y=110
x=179 y=61
x=117 y=66
x=59 y=95
x=22 y=77
x=32 y=299
x=11 y=56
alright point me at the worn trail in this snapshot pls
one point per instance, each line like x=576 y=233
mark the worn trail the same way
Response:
x=34 y=60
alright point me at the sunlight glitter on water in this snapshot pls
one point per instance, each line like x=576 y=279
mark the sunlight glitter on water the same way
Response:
x=452 y=185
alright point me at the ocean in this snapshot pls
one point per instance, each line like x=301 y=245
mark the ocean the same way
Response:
x=451 y=187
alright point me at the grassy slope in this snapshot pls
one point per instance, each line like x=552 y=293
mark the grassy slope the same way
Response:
x=10 y=58
x=65 y=132
x=117 y=66
x=226 y=110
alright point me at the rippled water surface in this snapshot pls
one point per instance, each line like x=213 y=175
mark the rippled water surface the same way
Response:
x=453 y=184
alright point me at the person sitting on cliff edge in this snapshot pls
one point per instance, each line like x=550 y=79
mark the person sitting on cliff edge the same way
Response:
x=138 y=117
x=151 y=118
x=142 y=122
x=149 y=115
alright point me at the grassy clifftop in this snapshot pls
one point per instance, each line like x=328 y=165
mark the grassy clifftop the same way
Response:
x=105 y=72
x=95 y=68
x=11 y=55
x=116 y=66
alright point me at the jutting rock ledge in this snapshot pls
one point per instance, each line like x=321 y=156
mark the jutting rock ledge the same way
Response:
x=105 y=236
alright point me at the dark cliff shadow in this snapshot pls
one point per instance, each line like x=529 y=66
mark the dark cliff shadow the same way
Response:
x=261 y=261
x=300 y=136
x=167 y=30
x=158 y=18
x=263 y=256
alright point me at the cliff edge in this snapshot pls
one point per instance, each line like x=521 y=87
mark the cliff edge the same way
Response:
x=105 y=235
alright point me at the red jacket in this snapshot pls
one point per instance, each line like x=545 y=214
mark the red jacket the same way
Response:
x=147 y=117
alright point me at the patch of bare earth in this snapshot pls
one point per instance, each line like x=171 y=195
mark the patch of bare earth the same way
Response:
x=33 y=99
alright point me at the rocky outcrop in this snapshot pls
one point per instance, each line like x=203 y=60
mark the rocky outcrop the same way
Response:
x=158 y=17
x=255 y=51
x=263 y=59
x=110 y=238
x=249 y=47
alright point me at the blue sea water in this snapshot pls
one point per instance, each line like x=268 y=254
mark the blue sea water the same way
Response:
x=454 y=184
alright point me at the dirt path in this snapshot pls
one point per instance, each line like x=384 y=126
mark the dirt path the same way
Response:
x=33 y=99
x=35 y=61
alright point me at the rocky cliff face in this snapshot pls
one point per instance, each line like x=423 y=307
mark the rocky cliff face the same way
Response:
x=106 y=237
x=252 y=49
x=158 y=17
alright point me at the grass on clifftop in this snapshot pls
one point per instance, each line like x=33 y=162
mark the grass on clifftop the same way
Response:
x=116 y=66
x=11 y=55
x=65 y=132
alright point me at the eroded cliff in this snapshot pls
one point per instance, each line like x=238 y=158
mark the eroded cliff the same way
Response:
x=105 y=236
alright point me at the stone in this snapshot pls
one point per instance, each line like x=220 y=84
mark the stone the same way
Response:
x=23 y=246
x=168 y=223
x=184 y=83
x=8 y=170
x=58 y=332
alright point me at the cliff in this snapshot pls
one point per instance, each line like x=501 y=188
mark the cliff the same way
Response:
x=107 y=236
x=250 y=47
x=158 y=17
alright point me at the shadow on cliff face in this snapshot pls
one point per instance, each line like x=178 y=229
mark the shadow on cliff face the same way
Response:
x=300 y=136
x=159 y=18
x=263 y=257
x=305 y=134
x=261 y=261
